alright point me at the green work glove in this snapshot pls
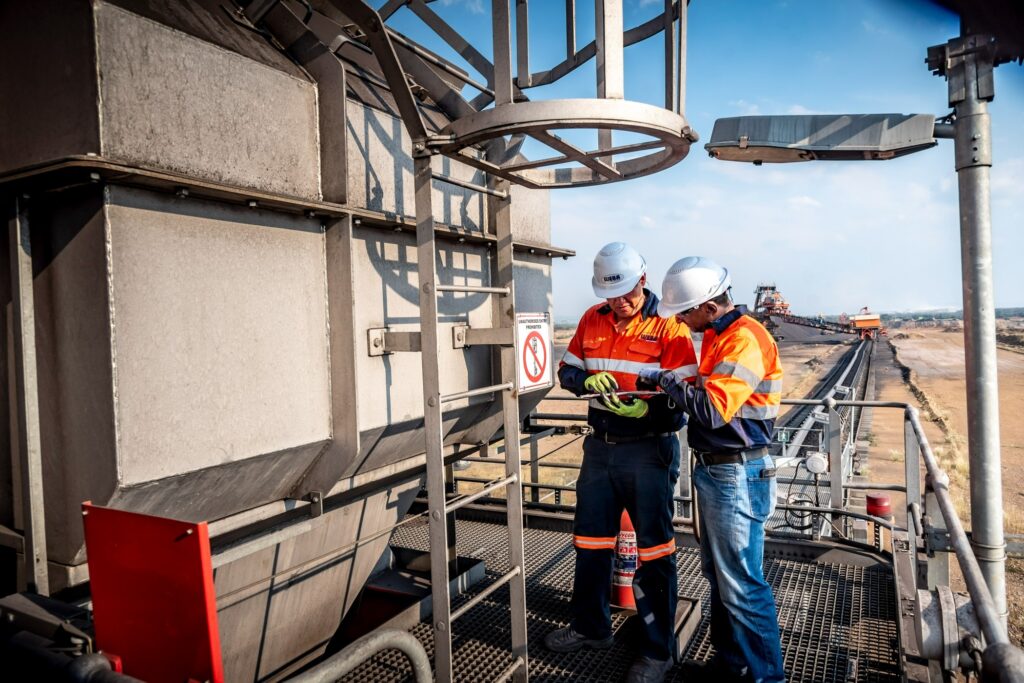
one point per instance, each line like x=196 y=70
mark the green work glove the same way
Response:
x=635 y=408
x=601 y=383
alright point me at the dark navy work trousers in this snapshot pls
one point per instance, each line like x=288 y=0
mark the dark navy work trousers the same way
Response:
x=639 y=477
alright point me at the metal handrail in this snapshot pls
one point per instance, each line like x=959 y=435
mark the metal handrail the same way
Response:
x=984 y=605
x=361 y=650
x=988 y=616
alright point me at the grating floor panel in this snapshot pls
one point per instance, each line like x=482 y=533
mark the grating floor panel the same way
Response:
x=837 y=622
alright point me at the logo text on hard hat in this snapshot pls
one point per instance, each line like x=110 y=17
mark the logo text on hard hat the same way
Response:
x=612 y=278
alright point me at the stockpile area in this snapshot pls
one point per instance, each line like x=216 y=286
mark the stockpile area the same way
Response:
x=925 y=366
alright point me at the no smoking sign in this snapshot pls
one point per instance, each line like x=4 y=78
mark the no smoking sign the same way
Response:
x=533 y=351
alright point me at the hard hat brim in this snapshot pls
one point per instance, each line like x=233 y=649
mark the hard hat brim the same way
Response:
x=618 y=289
x=667 y=311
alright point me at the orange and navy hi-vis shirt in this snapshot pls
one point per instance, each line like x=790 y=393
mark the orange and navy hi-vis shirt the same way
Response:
x=644 y=341
x=739 y=387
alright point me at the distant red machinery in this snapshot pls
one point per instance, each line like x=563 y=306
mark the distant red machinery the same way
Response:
x=867 y=323
x=768 y=300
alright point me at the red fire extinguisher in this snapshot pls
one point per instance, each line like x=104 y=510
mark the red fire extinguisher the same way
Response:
x=626 y=562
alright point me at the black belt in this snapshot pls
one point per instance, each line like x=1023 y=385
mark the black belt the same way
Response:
x=628 y=438
x=708 y=459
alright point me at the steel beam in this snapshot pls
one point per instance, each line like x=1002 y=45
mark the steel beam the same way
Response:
x=522 y=43
x=500 y=24
x=30 y=453
x=504 y=316
x=610 y=66
x=433 y=426
x=836 y=471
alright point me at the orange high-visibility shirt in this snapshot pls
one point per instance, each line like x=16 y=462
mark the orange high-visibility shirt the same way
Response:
x=644 y=341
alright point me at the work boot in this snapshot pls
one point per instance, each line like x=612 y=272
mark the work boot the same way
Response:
x=714 y=670
x=649 y=670
x=568 y=640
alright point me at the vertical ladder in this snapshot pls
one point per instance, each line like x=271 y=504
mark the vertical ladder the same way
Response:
x=442 y=558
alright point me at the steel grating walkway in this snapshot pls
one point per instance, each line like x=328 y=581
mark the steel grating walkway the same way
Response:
x=838 y=622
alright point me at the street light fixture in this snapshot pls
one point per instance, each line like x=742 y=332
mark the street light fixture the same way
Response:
x=823 y=137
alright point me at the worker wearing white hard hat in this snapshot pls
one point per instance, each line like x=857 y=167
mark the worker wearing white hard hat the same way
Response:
x=732 y=409
x=630 y=460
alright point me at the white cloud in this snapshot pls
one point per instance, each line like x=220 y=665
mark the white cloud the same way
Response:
x=746 y=108
x=799 y=109
x=474 y=6
x=874 y=28
x=803 y=202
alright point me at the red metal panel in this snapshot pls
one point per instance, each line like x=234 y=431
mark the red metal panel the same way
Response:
x=152 y=591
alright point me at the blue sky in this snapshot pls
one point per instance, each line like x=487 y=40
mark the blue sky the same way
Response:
x=833 y=236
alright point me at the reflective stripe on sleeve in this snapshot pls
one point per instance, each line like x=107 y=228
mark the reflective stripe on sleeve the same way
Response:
x=616 y=365
x=573 y=360
x=758 y=412
x=739 y=371
x=769 y=386
x=684 y=372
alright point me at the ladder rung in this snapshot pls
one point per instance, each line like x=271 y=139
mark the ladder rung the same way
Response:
x=473 y=289
x=476 y=392
x=476 y=599
x=507 y=673
x=476 y=495
x=469 y=186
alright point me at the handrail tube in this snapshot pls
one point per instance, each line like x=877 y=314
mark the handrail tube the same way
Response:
x=984 y=605
x=476 y=392
x=479 y=597
x=559 y=417
x=473 y=289
x=847 y=513
x=509 y=670
x=491 y=486
x=794 y=446
x=359 y=651
x=495 y=461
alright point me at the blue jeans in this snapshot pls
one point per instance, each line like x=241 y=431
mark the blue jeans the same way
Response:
x=735 y=501
x=640 y=477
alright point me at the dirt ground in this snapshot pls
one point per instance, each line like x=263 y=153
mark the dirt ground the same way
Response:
x=936 y=358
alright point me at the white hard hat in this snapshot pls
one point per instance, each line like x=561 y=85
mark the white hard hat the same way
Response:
x=689 y=283
x=617 y=269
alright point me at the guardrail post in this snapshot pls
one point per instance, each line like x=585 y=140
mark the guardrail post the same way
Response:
x=534 y=469
x=937 y=533
x=835 y=457
x=683 y=485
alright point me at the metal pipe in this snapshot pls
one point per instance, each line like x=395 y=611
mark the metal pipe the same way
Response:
x=476 y=495
x=29 y=444
x=845 y=513
x=984 y=605
x=559 y=417
x=469 y=186
x=973 y=151
x=439 y=63
x=479 y=597
x=346 y=661
x=476 y=392
x=801 y=433
x=473 y=289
